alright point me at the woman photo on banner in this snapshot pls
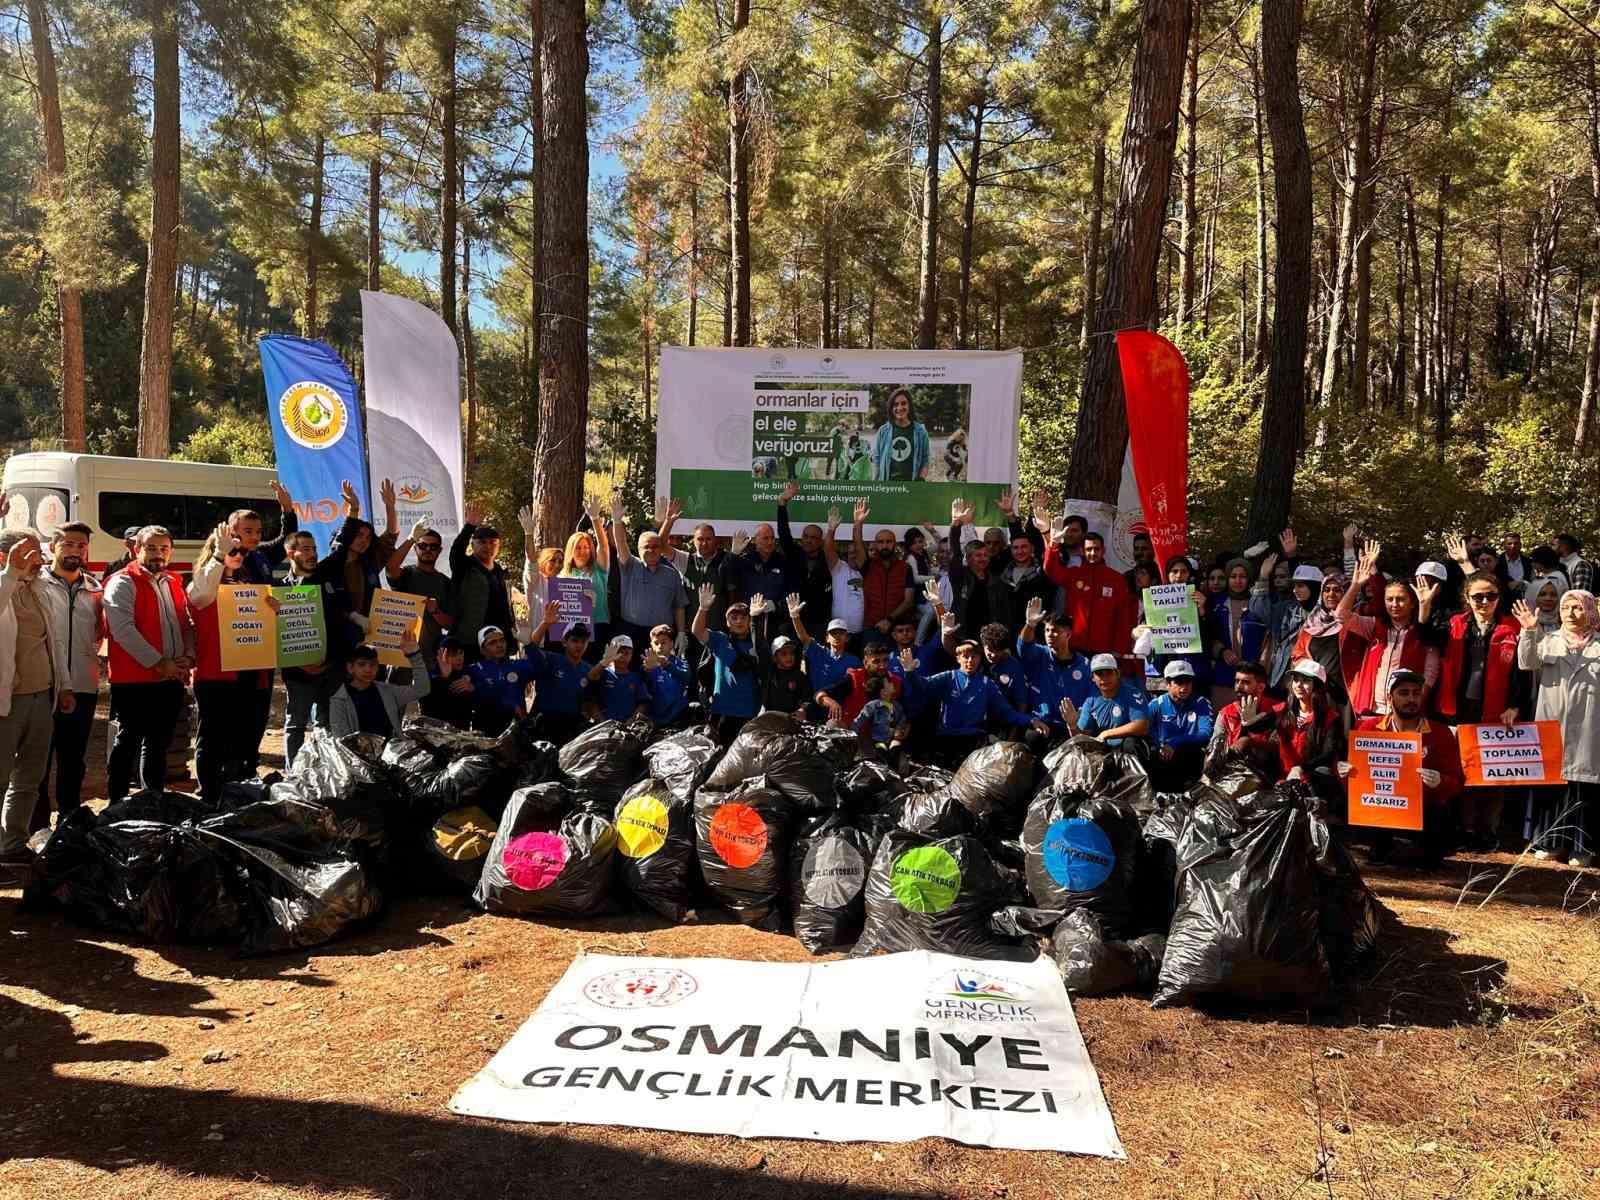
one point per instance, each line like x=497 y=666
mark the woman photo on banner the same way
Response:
x=900 y=449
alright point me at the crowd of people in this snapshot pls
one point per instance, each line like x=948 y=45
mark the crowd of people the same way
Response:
x=928 y=644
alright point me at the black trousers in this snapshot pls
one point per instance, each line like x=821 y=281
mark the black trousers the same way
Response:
x=146 y=715
x=69 y=745
x=232 y=715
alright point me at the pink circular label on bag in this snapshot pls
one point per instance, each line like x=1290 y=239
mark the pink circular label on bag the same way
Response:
x=533 y=860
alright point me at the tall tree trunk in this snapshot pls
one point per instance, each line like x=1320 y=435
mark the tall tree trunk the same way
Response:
x=739 y=179
x=1437 y=366
x=155 y=357
x=1419 y=352
x=375 y=169
x=1191 y=171
x=469 y=349
x=1208 y=275
x=1097 y=208
x=314 y=233
x=564 y=211
x=1397 y=393
x=1283 y=410
x=694 y=260
x=530 y=411
x=969 y=218
x=827 y=336
x=1365 y=183
x=1149 y=139
x=933 y=104
x=1341 y=289
x=1591 y=377
x=68 y=299
x=447 y=169
x=1258 y=337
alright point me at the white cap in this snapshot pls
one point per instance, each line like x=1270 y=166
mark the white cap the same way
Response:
x=487 y=632
x=1306 y=573
x=839 y=625
x=778 y=643
x=622 y=642
x=1434 y=570
x=1178 y=668
x=1311 y=669
x=1104 y=662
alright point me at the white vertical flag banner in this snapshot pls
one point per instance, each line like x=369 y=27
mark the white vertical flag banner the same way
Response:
x=884 y=1049
x=413 y=387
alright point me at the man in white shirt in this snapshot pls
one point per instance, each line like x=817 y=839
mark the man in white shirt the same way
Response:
x=849 y=592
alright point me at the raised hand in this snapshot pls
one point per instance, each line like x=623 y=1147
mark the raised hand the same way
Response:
x=1035 y=611
x=527 y=517
x=1456 y=546
x=1289 y=542
x=652 y=660
x=408 y=644
x=552 y=612
x=708 y=596
x=472 y=513
x=1247 y=709
x=1267 y=564
x=795 y=603
x=741 y=539
x=930 y=589
x=908 y=659
x=674 y=510
x=1069 y=710
x=1367 y=561
x=1351 y=532
x=23 y=557
x=417 y=530
x=835 y=518
x=1526 y=616
x=279 y=492
x=1007 y=503
x=386 y=492
x=949 y=623
x=790 y=491
x=1058 y=530
x=1041 y=504
x=861 y=510
x=1252 y=551
x=960 y=511
x=616 y=507
x=760 y=606
x=352 y=502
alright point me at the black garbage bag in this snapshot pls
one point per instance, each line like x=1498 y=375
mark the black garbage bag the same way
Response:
x=347 y=777
x=458 y=782
x=1083 y=853
x=540 y=865
x=655 y=847
x=1158 y=864
x=747 y=756
x=682 y=761
x=928 y=778
x=167 y=808
x=935 y=814
x=994 y=784
x=1022 y=921
x=149 y=878
x=603 y=760
x=799 y=768
x=1248 y=925
x=937 y=894
x=1092 y=965
x=302 y=881
x=1086 y=766
x=742 y=839
x=1235 y=773
x=827 y=882
x=867 y=785
x=839 y=744
x=447 y=857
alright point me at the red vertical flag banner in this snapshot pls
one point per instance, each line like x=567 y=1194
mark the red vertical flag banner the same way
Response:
x=1155 y=381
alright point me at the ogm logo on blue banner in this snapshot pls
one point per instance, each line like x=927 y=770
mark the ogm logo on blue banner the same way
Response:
x=1078 y=854
x=313 y=414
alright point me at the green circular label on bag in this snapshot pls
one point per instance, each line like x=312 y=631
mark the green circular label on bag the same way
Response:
x=925 y=879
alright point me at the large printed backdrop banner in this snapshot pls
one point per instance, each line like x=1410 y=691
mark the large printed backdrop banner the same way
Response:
x=885 y=1049
x=413 y=413
x=908 y=430
x=316 y=429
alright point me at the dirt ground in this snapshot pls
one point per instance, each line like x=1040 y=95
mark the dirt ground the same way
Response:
x=1465 y=1065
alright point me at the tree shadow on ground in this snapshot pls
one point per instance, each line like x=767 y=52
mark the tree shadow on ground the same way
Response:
x=317 y=1145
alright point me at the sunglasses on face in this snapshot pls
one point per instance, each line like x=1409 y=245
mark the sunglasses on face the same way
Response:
x=1483 y=597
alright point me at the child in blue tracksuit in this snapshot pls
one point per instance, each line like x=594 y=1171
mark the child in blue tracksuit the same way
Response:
x=1180 y=729
x=613 y=692
x=1118 y=713
x=736 y=669
x=1054 y=673
x=498 y=683
x=825 y=665
x=559 y=678
x=669 y=680
x=968 y=700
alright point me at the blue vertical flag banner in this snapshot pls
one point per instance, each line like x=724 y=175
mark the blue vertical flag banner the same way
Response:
x=316 y=430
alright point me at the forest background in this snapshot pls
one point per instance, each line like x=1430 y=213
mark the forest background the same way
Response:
x=1372 y=226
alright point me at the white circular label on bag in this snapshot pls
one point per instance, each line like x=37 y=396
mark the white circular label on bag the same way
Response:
x=833 y=873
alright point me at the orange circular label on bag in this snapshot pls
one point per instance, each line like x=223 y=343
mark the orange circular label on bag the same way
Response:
x=738 y=835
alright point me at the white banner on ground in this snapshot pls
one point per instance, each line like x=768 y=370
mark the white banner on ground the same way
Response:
x=413 y=388
x=907 y=430
x=884 y=1049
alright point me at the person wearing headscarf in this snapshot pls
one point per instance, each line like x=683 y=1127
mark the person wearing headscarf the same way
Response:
x=1236 y=634
x=1568 y=663
x=1283 y=615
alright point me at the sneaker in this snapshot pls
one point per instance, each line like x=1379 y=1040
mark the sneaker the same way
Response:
x=1581 y=860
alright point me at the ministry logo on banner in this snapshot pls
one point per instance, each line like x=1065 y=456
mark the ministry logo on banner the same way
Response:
x=891 y=1048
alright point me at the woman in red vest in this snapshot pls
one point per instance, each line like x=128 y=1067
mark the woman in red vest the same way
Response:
x=1480 y=682
x=1395 y=641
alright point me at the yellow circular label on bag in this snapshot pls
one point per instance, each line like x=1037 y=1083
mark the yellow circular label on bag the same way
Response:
x=642 y=826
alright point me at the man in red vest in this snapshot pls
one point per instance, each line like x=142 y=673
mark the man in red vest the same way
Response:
x=151 y=650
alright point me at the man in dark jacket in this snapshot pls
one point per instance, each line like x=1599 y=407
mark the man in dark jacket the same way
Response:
x=480 y=591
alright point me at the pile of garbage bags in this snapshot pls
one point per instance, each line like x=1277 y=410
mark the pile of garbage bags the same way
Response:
x=1232 y=891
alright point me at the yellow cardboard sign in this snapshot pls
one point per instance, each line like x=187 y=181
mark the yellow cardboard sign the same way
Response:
x=247 y=629
x=392 y=617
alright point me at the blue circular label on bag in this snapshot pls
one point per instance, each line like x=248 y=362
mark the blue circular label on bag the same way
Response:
x=1078 y=854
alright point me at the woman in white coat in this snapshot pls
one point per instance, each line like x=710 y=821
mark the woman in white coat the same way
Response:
x=1568 y=666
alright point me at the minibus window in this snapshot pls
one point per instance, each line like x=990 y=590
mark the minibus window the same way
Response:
x=118 y=510
x=41 y=508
